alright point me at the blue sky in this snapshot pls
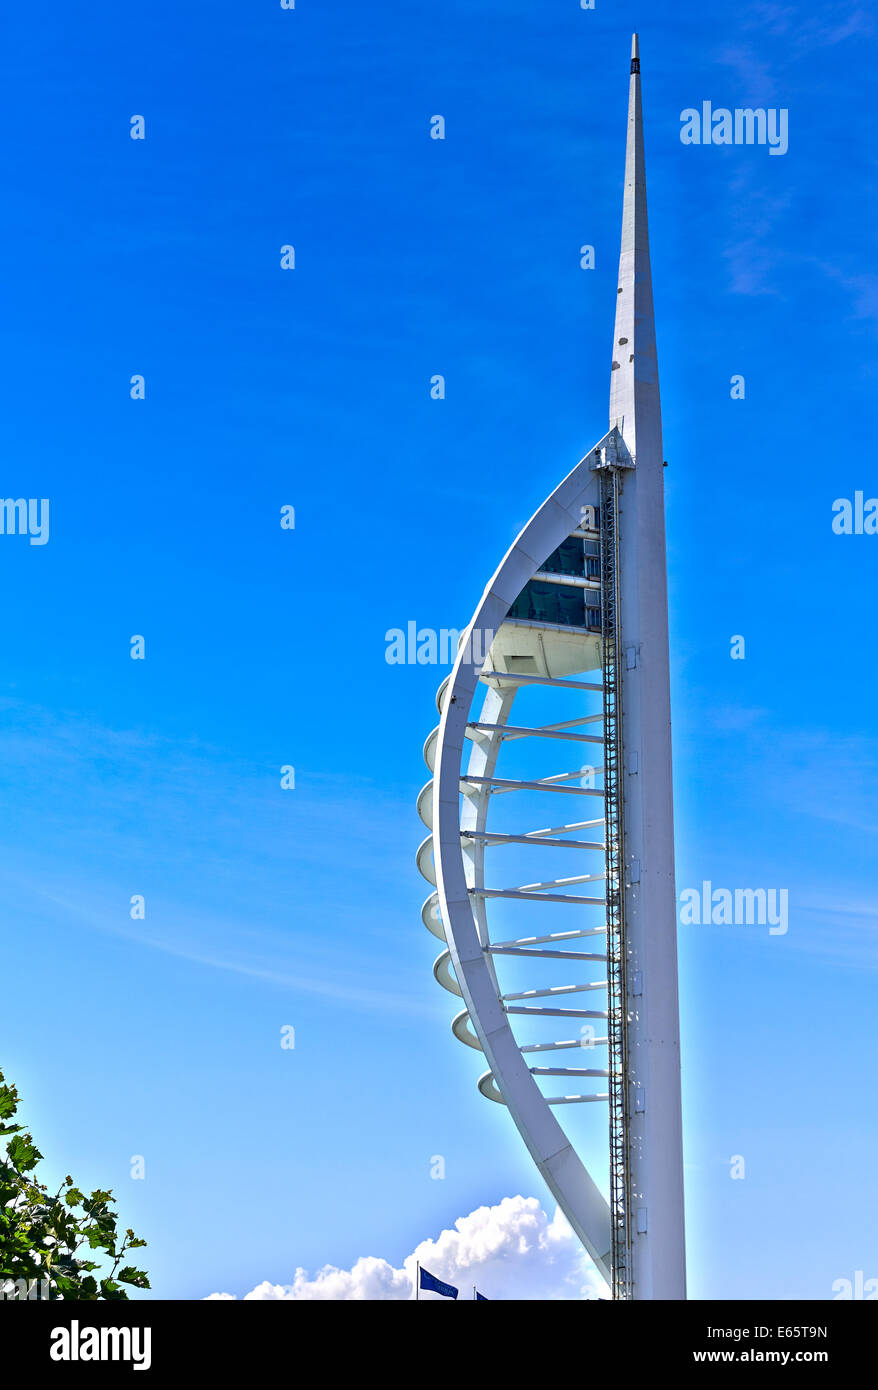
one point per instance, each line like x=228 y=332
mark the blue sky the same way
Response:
x=264 y=647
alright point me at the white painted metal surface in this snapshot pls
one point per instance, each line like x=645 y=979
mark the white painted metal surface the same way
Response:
x=455 y=807
x=655 y=1139
x=463 y=913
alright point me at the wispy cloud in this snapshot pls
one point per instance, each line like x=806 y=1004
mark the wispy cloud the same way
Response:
x=754 y=76
x=298 y=965
x=803 y=32
x=756 y=247
x=226 y=859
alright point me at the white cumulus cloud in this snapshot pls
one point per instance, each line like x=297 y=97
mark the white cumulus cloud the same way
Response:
x=510 y=1251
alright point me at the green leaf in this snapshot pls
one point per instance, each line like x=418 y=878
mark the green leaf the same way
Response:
x=23 y=1154
x=42 y=1233
x=110 y=1290
x=100 y=1239
x=8 y=1100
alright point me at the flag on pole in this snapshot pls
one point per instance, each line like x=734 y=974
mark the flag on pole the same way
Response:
x=429 y=1281
x=481 y=1298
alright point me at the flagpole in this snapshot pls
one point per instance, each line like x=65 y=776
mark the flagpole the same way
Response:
x=474 y=1293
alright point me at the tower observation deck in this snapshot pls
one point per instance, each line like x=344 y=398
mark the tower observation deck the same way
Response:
x=574 y=622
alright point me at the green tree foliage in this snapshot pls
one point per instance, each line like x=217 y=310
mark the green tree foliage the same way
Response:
x=41 y=1236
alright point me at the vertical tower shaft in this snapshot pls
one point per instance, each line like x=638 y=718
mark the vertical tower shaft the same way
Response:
x=617 y=994
x=655 y=1157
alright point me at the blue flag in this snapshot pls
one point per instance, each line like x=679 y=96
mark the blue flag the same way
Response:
x=480 y=1298
x=429 y=1281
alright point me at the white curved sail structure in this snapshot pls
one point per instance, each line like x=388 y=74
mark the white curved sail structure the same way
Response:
x=572 y=630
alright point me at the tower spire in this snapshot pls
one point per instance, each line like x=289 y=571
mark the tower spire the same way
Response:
x=634 y=389
x=620 y=625
x=652 y=1036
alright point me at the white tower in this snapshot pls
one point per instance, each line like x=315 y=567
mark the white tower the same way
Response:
x=583 y=589
x=655 y=1126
